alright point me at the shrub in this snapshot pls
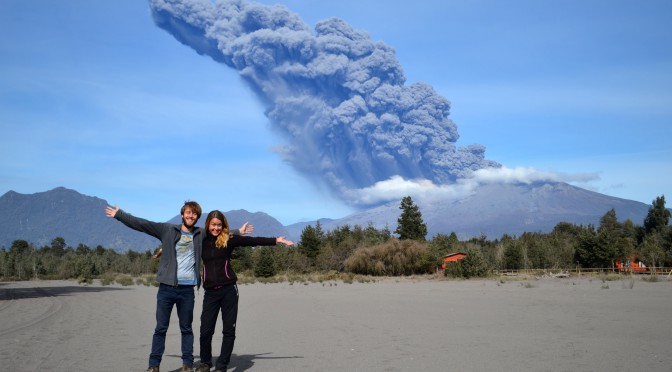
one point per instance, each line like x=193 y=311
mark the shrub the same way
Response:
x=474 y=264
x=453 y=270
x=393 y=257
x=107 y=279
x=125 y=280
x=650 y=278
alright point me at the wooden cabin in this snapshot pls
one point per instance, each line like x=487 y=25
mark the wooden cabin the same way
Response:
x=630 y=264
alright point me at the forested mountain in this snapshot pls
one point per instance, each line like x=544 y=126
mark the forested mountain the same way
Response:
x=492 y=210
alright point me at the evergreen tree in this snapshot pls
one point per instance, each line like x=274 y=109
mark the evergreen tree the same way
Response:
x=610 y=243
x=265 y=267
x=58 y=246
x=586 y=247
x=310 y=242
x=444 y=244
x=373 y=236
x=658 y=216
x=474 y=264
x=18 y=255
x=513 y=256
x=242 y=259
x=410 y=223
x=4 y=263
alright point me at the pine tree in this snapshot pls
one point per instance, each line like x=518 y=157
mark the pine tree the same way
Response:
x=310 y=242
x=410 y=223
x=658 y=216
x=610 y=242
x=265 y=266
x=513 y=256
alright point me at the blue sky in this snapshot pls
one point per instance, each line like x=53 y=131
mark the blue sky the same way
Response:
x=95 y=97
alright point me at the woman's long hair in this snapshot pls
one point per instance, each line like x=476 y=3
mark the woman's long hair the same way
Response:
x=224 y=236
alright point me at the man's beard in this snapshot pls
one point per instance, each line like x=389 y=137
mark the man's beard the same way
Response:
x=185 y=224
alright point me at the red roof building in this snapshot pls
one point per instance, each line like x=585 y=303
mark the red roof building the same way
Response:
x=452 y=257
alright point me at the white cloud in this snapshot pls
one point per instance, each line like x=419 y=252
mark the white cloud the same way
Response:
x=397 y=187
x=528 y=175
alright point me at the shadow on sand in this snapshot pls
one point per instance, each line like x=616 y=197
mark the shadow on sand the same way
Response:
x=33 y=290
x=241 y=363
x=244 y=362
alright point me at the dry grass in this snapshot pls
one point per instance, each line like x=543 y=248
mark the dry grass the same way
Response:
x=128 y=280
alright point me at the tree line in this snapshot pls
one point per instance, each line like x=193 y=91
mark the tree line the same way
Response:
x=371 y=251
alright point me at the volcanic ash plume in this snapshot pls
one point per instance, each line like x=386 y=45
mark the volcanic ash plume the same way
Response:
x=339 y=98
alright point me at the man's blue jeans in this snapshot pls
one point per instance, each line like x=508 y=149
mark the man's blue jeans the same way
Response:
x=183 y=298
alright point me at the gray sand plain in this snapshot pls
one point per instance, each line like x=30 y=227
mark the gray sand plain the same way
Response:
x=569 y=324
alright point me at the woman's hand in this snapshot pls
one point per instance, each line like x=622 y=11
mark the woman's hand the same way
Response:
x=282 y=240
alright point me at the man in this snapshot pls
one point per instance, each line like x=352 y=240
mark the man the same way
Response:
x=178 y=274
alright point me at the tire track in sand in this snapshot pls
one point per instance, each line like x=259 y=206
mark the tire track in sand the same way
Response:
x=31 y=316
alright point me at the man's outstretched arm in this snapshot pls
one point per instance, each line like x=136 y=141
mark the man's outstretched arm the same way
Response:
x=140 y=224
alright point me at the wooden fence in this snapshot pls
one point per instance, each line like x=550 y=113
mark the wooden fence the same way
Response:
x=577 y=271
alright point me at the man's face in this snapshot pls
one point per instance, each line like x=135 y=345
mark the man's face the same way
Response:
x=189 y=218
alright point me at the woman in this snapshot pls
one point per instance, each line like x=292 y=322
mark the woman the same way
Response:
x=219 y=282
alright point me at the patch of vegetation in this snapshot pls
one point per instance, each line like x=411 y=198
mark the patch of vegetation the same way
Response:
x=650 y=278
x=125 y=280
x=610 y=277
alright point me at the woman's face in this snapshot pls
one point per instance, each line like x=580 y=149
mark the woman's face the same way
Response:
x=215 y=227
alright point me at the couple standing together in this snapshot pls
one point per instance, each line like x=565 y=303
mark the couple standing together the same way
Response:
x=183 y=247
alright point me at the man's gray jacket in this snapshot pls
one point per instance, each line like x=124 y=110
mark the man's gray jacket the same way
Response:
x=169 y=234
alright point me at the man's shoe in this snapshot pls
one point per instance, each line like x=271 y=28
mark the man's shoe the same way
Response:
x=153 y=369
x=186 y=368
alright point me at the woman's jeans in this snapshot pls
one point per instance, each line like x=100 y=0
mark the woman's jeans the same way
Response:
x=182 y=297
x=214 y=300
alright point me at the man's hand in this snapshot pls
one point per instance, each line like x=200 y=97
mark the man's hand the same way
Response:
x=112 y=211
x=246 y=229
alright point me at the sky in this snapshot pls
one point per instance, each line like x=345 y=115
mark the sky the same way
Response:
x=95 y=97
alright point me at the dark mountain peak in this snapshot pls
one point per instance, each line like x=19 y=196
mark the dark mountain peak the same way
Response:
x=56 y=193
x=10 y=194
x=61 y=212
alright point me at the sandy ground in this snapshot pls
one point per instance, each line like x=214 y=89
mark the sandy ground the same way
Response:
x=567 y=324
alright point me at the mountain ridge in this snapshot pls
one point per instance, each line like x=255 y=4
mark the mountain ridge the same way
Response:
x=497 y=209
x=491 y=210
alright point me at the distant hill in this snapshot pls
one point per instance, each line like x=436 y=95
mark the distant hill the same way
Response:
x=38 y=218
x=264 y=225
x=492 y=210
x=500 y=209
